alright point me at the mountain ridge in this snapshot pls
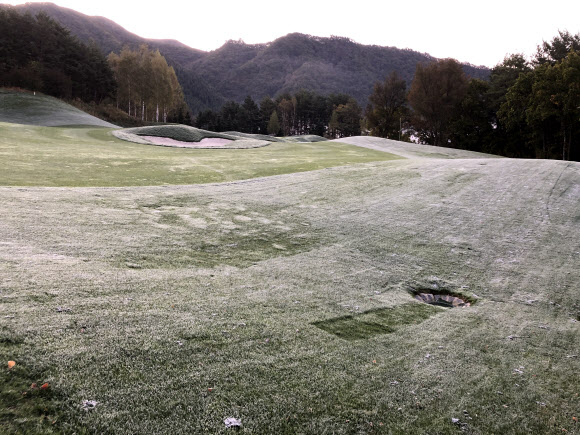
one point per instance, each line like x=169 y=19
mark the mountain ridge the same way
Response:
x=235 y=70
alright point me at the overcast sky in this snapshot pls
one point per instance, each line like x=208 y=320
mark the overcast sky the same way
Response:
x=480 y=33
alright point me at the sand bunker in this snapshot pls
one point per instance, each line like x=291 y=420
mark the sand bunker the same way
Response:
x=181 y=136
x=204 y=143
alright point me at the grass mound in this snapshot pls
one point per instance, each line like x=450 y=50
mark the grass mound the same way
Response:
x=254 y=136
x=185 y=135
x=181 y=133
x=306 y=138
x=20 y=107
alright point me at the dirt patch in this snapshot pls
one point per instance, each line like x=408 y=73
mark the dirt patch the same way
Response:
x=208 y=142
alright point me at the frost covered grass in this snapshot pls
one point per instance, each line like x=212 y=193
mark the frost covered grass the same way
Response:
x=49 y=156
x=286 y=302
x=26 y=108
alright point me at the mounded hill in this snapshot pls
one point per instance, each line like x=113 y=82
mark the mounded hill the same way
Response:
x=235 y=70
x=36 y=109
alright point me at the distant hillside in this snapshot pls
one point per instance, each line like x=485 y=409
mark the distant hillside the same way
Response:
x=235 y=70
x=297 y=61
x=108 y=34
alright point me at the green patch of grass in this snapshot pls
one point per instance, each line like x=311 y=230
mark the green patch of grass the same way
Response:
x=43 y=156
x=377 y=321
x=25 y=407
x=351 y=328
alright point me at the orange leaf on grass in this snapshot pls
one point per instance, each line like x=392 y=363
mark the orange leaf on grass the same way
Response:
x=44 y=386
x=11 y=364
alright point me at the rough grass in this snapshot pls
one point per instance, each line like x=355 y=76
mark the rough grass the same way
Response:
x=25 y=108
x=48 y=156
x=179 y=341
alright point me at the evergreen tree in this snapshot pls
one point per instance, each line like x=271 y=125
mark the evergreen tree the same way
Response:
x=187 y=119
x=39 y=54
x=557 y=49
x=435 y=96
x=273 y=124
x=250 y=116
x=267 y=106
x=545 y=104
x=387 y=107
x=471 y=128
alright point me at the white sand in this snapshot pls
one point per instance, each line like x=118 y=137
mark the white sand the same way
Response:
x=204 y=143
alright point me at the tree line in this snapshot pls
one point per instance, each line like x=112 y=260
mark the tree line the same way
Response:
x=528 y=109
x=301 y=113
x=38 y=54
x=147 y=87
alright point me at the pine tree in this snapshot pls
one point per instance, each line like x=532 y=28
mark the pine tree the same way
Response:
x=274 y=124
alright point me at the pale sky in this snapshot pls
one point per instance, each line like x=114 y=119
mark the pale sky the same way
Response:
x=480 y=33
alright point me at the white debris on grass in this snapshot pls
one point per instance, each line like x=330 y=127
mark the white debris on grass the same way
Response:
x=232 y=422
x=89 y=405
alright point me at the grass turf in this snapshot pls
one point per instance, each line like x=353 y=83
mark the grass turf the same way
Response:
x=48 y=156
x=286 y=301
x=25 y=108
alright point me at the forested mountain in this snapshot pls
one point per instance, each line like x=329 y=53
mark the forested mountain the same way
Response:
x=297 y=61
x=109 y=35
x=236 y=70
x=39 y=54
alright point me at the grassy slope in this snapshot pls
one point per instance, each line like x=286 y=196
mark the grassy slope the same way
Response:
x=190 y=304
x=48 y=156
x=24 y=108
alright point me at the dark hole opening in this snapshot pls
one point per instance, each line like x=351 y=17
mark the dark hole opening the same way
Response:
x=442 y=298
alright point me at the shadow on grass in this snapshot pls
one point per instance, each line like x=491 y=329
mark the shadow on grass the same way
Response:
x=377 y=321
